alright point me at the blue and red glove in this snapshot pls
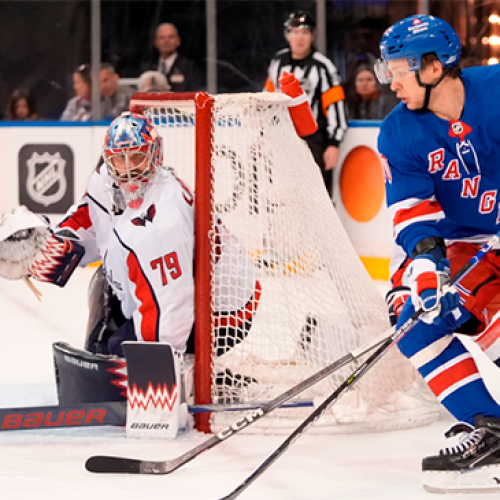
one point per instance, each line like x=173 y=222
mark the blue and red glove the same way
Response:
x=430 y=288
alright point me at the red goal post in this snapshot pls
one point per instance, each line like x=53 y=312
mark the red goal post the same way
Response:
x=248 y=166
x=203 y=105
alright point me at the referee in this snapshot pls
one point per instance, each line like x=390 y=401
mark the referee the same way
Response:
x=321 y=82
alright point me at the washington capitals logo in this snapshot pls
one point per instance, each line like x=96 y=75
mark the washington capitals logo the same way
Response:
x=148 y=216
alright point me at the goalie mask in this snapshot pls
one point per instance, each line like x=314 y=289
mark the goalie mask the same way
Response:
x=133 y=151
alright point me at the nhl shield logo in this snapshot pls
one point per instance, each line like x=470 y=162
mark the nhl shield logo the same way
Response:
x=46 y=182
x=46 y=177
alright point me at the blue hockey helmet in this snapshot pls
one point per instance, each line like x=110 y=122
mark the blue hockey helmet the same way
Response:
x=133 y=151
x=415 y=36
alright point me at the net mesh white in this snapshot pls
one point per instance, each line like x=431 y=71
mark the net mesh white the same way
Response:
x=318 y=302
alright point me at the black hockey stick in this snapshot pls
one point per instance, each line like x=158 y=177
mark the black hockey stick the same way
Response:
x=354 y=378
x=105 y=413
x=122 y=465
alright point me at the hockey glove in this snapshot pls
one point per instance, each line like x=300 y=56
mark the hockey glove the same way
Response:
x=430 y=288
x=395 y=299
x=28 y=247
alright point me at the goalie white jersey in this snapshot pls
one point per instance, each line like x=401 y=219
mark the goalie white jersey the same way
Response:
x=148 y=255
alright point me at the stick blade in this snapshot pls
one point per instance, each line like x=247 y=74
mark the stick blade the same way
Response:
x=113 y=465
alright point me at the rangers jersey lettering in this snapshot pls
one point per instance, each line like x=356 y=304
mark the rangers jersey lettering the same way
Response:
x=442 y=177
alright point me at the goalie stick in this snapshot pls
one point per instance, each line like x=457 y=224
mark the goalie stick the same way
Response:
x=354 y=378
x=51 y=417
x=123 y=465
x=105 y=413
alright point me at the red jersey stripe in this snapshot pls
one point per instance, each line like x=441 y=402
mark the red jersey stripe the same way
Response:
x=149 y=308
x=416 y=212
x=79 y=219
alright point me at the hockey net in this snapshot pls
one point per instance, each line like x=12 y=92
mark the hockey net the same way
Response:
x=249 y=167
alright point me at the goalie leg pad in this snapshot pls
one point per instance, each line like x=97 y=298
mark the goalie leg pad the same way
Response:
x=154 y=408
x=83 y=377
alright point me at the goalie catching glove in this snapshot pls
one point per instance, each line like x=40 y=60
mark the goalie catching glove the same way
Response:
x=29 y=247
x=430 y=288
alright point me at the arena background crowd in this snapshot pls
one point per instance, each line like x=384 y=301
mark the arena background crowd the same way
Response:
x=45 y=41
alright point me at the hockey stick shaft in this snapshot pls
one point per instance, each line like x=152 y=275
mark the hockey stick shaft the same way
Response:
x=354 y=378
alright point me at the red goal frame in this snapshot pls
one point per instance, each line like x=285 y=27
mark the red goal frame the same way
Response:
x=204 y=226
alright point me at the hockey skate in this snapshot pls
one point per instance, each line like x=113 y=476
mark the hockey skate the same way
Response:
x=473 y=465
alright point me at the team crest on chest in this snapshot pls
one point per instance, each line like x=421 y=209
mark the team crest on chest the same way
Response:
x=148 y=216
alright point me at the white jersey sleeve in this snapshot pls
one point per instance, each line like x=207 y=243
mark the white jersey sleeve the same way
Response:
x=90 y=220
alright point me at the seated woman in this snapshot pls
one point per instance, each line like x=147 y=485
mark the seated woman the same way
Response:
x=78 y=108
x=21 y=106
x=366 y=100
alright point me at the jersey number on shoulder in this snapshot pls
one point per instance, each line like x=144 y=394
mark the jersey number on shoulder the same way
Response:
x=168 y=264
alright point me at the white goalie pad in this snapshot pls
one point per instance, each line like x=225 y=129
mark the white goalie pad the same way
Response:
x=154 y=401
x=22 y=234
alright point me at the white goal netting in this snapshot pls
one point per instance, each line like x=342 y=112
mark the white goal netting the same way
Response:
x=317 y=302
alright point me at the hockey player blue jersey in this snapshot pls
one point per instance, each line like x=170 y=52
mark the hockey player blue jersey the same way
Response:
x=443 y=177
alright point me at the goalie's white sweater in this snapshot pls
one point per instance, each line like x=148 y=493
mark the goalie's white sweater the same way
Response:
x=148 y=255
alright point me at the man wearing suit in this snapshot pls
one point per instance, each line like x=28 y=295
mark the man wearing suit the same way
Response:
x=181 y=73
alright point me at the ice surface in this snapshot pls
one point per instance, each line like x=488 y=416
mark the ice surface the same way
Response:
x=49 y=464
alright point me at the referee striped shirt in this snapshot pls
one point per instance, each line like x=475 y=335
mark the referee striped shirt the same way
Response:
x=320 y=80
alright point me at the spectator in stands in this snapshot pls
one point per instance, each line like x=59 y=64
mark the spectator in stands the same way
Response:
x=79 y=107
x=153 y=81
x=115 y=98
x=367 y=101
x=21 y=106
x=182 y=74
x=320 y=80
